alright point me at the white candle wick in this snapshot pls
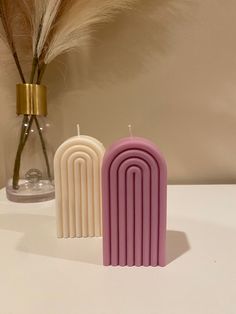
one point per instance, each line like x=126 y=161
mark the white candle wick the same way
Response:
x=130 y=130
x=78 y=129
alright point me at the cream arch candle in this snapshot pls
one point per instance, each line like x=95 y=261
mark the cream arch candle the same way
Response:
x=77 y=167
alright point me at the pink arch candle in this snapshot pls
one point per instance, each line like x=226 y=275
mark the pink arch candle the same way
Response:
x=134 y=184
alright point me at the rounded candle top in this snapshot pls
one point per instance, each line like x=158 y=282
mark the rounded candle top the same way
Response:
x=72 y=140
x=131 y=142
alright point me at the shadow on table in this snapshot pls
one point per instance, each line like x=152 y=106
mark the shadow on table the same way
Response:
x=177 y=244
x=39 y=237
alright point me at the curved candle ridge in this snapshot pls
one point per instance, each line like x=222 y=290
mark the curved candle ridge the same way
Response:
x=134 y=178
x=77 y=166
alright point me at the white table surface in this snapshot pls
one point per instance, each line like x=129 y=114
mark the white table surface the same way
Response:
x=40 y=274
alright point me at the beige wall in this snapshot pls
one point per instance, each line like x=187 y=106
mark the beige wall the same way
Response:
x=169 y=70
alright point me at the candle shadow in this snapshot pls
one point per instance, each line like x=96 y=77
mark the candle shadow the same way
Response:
x=177 y=244
x=39 y=237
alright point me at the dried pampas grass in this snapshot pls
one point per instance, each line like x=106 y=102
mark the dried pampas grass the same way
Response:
x=7 y=11
x=54 y=27
x=13 y=19
x=74 y=28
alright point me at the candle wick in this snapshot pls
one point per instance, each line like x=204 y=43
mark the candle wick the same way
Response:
x=130 y=130
x=78 y=129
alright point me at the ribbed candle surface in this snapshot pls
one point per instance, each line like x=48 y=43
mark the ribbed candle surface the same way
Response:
x=77 y=167
x=134 y=181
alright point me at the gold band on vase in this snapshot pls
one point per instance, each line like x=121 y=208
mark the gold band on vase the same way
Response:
x=31 y=99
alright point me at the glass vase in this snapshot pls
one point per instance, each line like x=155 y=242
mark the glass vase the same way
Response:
x=29 y=154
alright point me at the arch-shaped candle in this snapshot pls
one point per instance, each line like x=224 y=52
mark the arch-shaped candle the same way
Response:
x=134 y=183
x=77 y=167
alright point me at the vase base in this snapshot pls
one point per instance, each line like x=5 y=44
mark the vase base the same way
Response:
x=31 y=193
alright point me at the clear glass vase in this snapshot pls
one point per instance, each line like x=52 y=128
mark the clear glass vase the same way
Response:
x=29 y=157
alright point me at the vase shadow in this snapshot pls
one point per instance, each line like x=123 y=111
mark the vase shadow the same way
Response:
x=39 y=237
